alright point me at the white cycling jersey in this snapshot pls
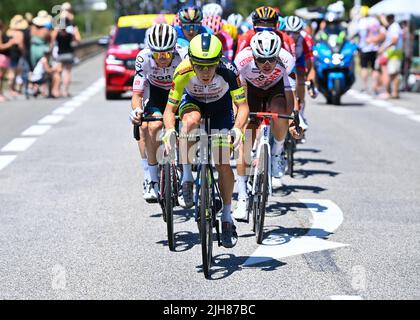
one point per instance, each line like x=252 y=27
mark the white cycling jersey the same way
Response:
x=148 y=71
x=249 y=71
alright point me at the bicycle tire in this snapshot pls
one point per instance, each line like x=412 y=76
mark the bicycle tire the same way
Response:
x=262 y=189
x=169 y=172
x=206 y=225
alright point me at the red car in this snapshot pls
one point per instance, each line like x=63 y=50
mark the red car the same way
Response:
x=126 y=41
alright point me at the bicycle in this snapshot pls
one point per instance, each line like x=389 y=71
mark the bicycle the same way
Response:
x=207 y=196
x=261 y=186
x=170 y=184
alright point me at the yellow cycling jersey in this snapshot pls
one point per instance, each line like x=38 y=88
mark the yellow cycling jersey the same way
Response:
x=226 y=79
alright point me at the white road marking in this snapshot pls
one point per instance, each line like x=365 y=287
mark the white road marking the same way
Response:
x=51 y=119
x=381 y=103
x=36 y=130
x=415 y=117
x=400 y=111
x=5 y=160
x=81 y=99
x=363 y=96
x=346 y=298
x=327 y=217
x=72 y=103
x=18 y=145
x=63 y=110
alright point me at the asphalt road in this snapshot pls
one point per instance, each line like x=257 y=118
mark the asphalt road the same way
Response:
x=73 y=224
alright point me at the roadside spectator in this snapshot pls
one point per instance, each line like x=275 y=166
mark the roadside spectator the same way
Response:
x=16 y=31
x=408 y=41
x=5 y=44
x=393 y=50
x=370 y=34
x=64 y=37
x=43 y=74
x=40 y=36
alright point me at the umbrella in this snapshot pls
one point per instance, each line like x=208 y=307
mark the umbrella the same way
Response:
x=399 y=7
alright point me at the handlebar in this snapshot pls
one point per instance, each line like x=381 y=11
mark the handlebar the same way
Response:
x=269 y=115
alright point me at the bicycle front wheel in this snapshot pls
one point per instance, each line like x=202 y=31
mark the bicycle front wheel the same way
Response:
x=261 y=194
x=206 y=228
x=169 y=203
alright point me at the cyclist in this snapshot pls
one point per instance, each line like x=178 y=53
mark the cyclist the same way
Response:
x=215 y=24
x=155 y=66
x=211 y=83
x=265 y=18
x=190 y=24
x=232 y=31
x=264 y=69
x=293 y=26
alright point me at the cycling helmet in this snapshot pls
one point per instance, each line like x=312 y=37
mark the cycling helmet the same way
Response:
x=161 y=37
x=190 y=14
x=214 y=23
x=212 y=9
x=266 y=44
x=235 y=19
x=293 y=23
x=281 y=24
x=231 y=30
x=205 y=49
x=264 y=14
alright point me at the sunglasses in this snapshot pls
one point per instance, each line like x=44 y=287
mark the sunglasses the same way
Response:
x=261 y=29
x=205 y=67
x=264 y=60
x=162 y=55
x=191 y=26
x=292 y=34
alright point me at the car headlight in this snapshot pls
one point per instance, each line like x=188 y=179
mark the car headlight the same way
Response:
x=326 y=60
x=110 y=59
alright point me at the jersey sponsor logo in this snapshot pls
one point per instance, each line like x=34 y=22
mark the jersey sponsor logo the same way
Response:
x=231 y=67
x=246 y=61
x=137 y=82
x=184 y=70
x=140 y=59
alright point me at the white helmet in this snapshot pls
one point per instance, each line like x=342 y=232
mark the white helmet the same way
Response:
x=161 y=37
x=235 y=19
x=293 y=24
x=212 y=9
x=266 y=44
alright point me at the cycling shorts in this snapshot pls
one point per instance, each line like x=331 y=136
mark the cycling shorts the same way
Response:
x=220 y=111
x=158 y=98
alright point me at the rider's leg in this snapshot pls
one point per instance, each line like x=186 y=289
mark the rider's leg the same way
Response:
x=190 y=121
x=144 y=133
x=152 y=145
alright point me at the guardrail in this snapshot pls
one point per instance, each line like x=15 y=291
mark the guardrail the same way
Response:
x=88 y=48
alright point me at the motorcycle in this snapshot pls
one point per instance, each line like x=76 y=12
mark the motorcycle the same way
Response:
x=334 y=67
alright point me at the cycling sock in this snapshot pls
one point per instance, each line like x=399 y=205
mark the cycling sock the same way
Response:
x=145 y=167
x=153 y=171
x=187 y=173
x=241 y=184
x=277 y=147
x=226 y=214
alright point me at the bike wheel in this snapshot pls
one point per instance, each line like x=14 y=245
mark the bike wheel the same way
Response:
x=262 y=187
x=206 y=223
x=169 y=214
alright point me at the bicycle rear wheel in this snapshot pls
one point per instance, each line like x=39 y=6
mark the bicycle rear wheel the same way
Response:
x=261 y=194
x=206 y=223
x=168 y=199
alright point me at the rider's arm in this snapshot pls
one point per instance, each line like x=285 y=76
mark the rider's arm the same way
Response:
x=140 y=79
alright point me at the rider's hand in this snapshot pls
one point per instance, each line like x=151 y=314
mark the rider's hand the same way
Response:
x=135 y=115
x=166 y=139
x=294 y=132
x=237 y=136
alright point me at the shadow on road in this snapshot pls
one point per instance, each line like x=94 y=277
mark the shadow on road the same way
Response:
x=226 y=264
x=286 y=190
x=302 y=174
x=302 y=161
